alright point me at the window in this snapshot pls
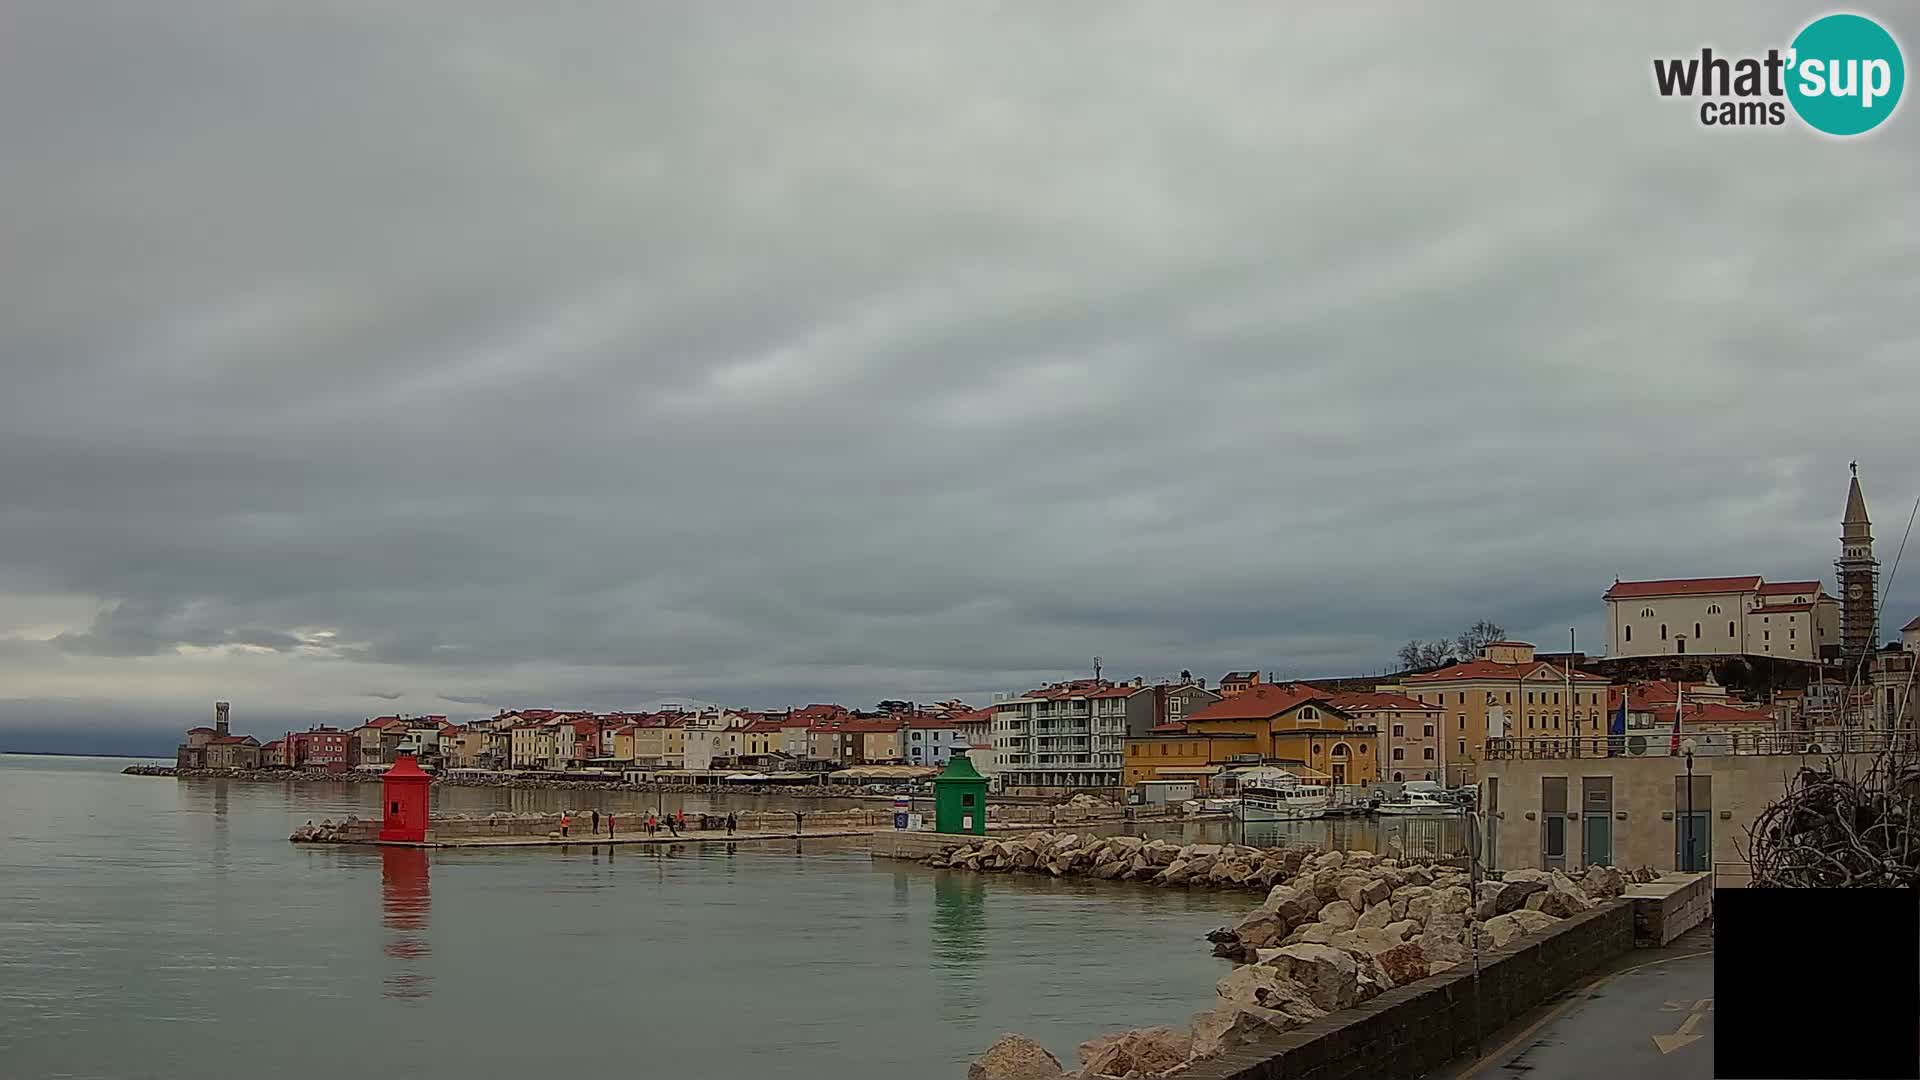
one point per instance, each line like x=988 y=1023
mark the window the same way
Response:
x=1530 y=697
x=1363 y=749
x=1429 y=731
x=1696 y=631
x=1663 y=631
x=1309 y=713
x=1729 y=627
x=1461 y=721
x=1462 y=698
x=1463 y=748
x=1556 y=698
x=1792 y=634
x=1429 y=753
x=1399 y=753
x=1713 y=609
x=1629 y=633
x=1509 y=697
x=1397 y=777
x=1646 y=613
x=1766 y=635
x=1399 y=731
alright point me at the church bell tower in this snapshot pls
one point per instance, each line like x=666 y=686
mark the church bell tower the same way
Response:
x=1858 y=574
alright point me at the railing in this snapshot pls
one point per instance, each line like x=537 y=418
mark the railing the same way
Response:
x=1706 y=744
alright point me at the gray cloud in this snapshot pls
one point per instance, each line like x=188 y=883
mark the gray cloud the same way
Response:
x=489 y=356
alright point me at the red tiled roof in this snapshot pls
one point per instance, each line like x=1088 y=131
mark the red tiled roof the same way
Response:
x=1240 y=676
x=1780 y=588
x=930 y=723
x=987 y=714
x=1262 y=701
x=1711 y=712
x=1381 y=700
x=1488 y=669
x=1682 y=587
x=234 y=740
x=764 y=727
x=868 y=727
x=1169 y=727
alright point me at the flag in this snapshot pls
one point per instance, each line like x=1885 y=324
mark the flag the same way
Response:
x=1679 y=706
x=1617 y=725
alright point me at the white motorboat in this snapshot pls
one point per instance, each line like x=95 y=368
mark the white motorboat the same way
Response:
x=1298 y=802
x=1418 y=804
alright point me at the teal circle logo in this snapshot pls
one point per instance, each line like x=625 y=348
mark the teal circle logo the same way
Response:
x=1845 y=74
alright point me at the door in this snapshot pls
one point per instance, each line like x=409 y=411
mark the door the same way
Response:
x=1693 y=842
x=1598 y=846
x=1553 y=823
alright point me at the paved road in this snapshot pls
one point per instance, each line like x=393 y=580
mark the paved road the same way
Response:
x=1652 y=1021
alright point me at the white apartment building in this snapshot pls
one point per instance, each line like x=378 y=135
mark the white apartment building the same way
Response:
x=1726 y=616
x=1071 y=736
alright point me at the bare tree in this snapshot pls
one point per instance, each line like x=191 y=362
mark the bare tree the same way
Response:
x=1477 y=637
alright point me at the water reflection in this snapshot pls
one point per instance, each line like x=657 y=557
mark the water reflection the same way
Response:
x=404 y=901
x=959 y=943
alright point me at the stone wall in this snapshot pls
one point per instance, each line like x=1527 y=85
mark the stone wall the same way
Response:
x=1410 y=1031
x=1669 y=907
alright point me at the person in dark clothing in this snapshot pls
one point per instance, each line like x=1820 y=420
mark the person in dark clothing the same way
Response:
x=596 y=823
x=732 y=823
x=672 y=826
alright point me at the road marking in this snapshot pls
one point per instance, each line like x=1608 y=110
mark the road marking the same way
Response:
x=1687 y=1035
x=1574 y=997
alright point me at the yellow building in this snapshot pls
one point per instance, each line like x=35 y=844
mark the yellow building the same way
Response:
x=1505 y=693
x=1287 y=725
x=659 y=743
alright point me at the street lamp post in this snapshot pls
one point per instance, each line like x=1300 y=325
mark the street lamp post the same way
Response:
x=1686 y=844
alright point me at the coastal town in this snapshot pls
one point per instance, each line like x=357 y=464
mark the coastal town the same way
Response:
x=1729 y=667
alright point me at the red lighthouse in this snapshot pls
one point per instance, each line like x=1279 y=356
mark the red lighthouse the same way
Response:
x=404 y=790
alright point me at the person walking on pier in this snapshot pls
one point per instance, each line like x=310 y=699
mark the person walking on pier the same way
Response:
x=596 y=821
x=732 y=823
x=671 y=826
x=609 y=826
x=565 y=820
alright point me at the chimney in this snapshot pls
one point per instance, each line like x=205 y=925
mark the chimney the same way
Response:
x=220 y=717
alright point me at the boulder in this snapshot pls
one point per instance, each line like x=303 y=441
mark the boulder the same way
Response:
x=1329 y=976
x=1174 y=874
x=1359 y=859
x=1403 y=963
x=1451 y=900
x=1326 y=884
x=1376 y=891
x=1500 y=897
x=1024 y=859
x=1603 y=882
x=1367 y=941
x=1419 y=875
x=1403 y=930
x=1349 y=889
x=1107 y=871
x=1376 y=917
x=1502 y=929
x=1232 y=1026
x=1015 y=1057
x=1441 y=947
x=1437 y=966
x=1281 y=894
x=1372 y=978
x=1261 y=928
x=1328 y=860
x=1148 y=1050
x=1339 y=915
x=1261 y=986
x=1532 y=922
x=1529 y=875
x=1313 y=933
x=1562 y=898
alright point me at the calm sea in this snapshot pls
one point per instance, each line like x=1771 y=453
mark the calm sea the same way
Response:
x=158 y=927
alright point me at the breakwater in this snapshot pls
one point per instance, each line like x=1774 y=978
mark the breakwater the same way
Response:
x=522 y=783
x=1336 y=929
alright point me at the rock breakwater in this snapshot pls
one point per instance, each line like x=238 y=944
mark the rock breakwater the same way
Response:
x=1334 y=930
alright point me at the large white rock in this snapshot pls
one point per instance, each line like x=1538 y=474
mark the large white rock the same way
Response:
x=1339 y=915
x=1265 y=986
x=1375 y=918
x=1448 y=901
x=1532 y=921
x=1329 y=976
x=1228 y=1027
x=1503 y=928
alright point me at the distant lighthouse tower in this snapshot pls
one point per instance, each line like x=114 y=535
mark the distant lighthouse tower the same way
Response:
x=1858 y=573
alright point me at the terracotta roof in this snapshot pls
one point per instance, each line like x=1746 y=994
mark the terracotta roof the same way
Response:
x=930 y=723
x=764 y=727
x=235 y=740
x=1682 y=587
x=1711 y=712
x=1169 y=727
x=1380 y=700
x=987 y=714
x=1488 y=669
x=1262 y=701
x=1240 y=676
x=210 y=731
x=1780 y=588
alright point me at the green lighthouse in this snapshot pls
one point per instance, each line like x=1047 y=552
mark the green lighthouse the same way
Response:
x=960 y=799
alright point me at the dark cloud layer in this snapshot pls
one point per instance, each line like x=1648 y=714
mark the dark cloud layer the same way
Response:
x=480 y=354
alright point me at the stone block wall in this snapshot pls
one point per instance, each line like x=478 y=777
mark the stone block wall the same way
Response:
x=1409 y=1032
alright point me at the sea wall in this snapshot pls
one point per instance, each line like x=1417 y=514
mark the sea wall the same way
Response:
x=1413 y=1030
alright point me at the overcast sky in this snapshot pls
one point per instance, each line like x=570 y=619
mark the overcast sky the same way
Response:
x=445 y=357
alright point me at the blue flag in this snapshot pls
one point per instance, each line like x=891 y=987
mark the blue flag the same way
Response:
x=1617 y=726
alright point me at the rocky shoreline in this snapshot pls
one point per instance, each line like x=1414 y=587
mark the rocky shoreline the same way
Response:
x=1335 y=929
